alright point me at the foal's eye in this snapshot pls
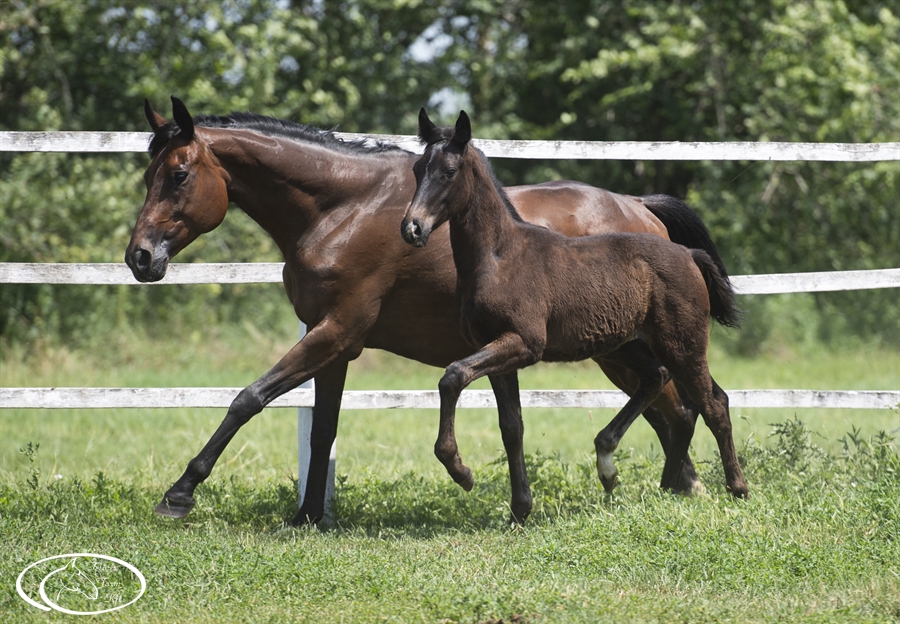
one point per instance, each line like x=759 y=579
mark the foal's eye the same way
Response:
x=450 y=173
x=179 y=177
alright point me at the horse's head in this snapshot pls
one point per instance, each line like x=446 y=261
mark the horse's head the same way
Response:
x=187 y=194
x=442 y=188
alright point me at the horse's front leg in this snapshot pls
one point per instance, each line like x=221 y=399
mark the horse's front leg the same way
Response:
x=508 y=353
x=506 y=391
x=325 y=344
x=329 y=390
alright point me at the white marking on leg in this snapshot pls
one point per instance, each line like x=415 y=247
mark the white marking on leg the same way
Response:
x=605 y=466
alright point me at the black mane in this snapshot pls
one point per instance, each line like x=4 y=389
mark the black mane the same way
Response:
x=498 y=185
x=273 y=127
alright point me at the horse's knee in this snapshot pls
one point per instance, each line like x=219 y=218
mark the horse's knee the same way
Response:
x=246 y=405
x=453 y=380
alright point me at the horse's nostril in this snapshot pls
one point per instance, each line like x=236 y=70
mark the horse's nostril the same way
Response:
x=142 y=259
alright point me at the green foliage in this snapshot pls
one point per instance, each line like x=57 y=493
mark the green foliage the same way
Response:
x=779 y=70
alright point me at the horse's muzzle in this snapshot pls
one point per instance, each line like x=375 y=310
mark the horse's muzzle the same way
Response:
x=145 y=265
x=413 y=233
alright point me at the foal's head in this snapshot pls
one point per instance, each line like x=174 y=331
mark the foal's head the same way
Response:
x=187 y=194
x=442 y=186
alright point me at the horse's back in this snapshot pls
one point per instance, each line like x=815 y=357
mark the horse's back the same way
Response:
x=579 y=209
x=604 y=288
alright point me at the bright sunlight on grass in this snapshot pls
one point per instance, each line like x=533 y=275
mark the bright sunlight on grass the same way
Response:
x=817 y=541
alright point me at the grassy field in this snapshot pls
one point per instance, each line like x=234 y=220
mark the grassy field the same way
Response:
x=818 y=541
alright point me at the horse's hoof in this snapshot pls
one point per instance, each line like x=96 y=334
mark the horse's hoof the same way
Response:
x=609 y=483
x=517 y=520
x=696 y=489
x=171 y=508
x=465 y=479
x=303 y=518
x=739 y=491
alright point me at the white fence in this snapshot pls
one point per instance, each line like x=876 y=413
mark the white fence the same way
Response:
x=52 y=398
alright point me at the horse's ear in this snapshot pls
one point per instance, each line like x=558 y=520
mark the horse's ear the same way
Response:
x=463 y=132
x=426 y=127
x=156 y=120
x=183 y=119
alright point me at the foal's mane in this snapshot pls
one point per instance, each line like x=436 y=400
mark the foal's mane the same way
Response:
x=273 y=126
x=501 y=191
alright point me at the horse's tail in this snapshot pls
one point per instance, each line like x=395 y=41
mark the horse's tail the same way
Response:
x=722 y=300
x=684 y=226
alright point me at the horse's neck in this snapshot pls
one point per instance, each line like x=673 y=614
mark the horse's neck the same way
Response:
x=287 y=185
x=482 y=228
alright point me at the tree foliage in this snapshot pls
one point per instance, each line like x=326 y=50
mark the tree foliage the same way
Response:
x=775 y=70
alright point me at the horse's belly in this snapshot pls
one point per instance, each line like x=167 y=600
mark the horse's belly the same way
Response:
x=571 y=340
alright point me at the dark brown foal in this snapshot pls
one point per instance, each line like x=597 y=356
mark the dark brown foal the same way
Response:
x=525 y=294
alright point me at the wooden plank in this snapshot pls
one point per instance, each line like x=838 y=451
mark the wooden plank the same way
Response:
x=270 y=272
x=579 y=150
x=146 y=398
x=119 y=273
x=825 y=281
x=109 y=142
x=692 y=151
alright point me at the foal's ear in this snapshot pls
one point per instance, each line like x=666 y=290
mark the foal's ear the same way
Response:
x=156 y=120
x=183 y=119
x=426 y=128
x=463 y=132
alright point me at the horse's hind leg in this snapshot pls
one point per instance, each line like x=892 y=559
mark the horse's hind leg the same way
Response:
x=692 y=372
x=667 y=416
x=506 y=391
x=652 y=377
x=713 y=405
x=506 y=354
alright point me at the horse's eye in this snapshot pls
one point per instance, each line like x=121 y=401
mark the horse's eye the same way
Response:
x=450 y=173
x=179 y=177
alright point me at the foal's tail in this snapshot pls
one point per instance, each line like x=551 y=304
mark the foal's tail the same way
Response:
x=684 y=226
x=722 y=304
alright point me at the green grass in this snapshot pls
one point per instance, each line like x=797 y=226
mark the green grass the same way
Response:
x=817 y=541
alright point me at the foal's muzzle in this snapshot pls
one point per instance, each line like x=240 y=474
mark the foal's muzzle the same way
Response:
x=413 y=233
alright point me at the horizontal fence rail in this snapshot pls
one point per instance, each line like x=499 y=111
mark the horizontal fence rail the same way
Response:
x=118 y=142
x=270 y=272
x=148 y=398
x=118 y=274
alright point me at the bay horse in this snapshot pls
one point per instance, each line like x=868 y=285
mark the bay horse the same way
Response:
x=526 y=293
x=332 y=206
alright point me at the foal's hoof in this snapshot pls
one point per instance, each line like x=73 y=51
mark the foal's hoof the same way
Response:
x=175 y=508
x=609 y=483
x=465 y=479
x=739 y=491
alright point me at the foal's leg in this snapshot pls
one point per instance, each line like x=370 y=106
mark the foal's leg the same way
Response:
x=713 y=405
x=652 y=378
x=506 y=354
x=667 y=413
x=506 y=391
x=325 y=344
